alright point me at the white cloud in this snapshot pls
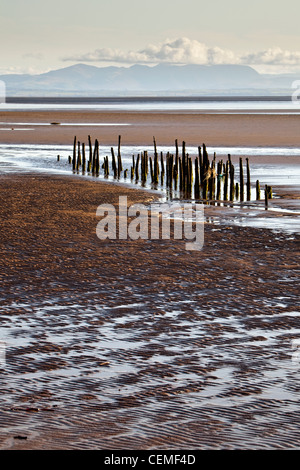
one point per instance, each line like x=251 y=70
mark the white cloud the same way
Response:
x=189 y=51
x=273 y=56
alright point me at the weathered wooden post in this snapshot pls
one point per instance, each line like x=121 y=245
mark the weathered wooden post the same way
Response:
x=200 y=164
x=90 y=149
x=226 y=182
x=241 y=180
x=74 y=153
x=248 y=181
x=232 y=188
x=184 y=164
x=190 y=176
x=213 y=180
x=155 y=148
x=146 y=164
x=83 y=157
x=132 y=167
x=120 y=166
x=106 y=167
x=205 y=188
x=114 y=164
x=237 y=190
x=93 y=165
x=219 y=178
x=156 y=168
x=151 y=170
x=78 y=164
x=137 y=168
x=257 y=190
x=97 y=163
x=176 y=169
x=197 y=180
x=181 y=177
x=266 y=197
x=143 y=168
x=162 y=169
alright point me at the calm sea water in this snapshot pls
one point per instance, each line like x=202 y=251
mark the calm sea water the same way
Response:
x=217 y=104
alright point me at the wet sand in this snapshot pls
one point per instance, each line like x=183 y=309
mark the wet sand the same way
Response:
x=193 y=127
x=123 y=344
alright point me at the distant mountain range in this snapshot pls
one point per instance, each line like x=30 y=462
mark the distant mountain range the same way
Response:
x=88 y=80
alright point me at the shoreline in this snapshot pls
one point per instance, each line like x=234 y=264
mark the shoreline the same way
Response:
x=192 y=127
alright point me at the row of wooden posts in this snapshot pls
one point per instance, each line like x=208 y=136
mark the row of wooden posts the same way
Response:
x=200 y=177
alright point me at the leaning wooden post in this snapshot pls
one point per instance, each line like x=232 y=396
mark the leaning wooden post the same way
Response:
x=248 y=181
x=241 y=180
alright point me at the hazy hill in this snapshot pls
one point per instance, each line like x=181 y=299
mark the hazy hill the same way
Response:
x=85 y=80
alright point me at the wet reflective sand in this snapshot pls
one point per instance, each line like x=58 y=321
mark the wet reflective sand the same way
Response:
x=141 y=344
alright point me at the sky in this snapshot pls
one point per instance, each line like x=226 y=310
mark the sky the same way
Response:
x=37 y=36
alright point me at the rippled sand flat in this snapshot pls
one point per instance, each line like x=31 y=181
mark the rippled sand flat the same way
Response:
x=123 y=344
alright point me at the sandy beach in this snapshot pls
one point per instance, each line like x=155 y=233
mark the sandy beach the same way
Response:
x=140 y=127
x=141 y=344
